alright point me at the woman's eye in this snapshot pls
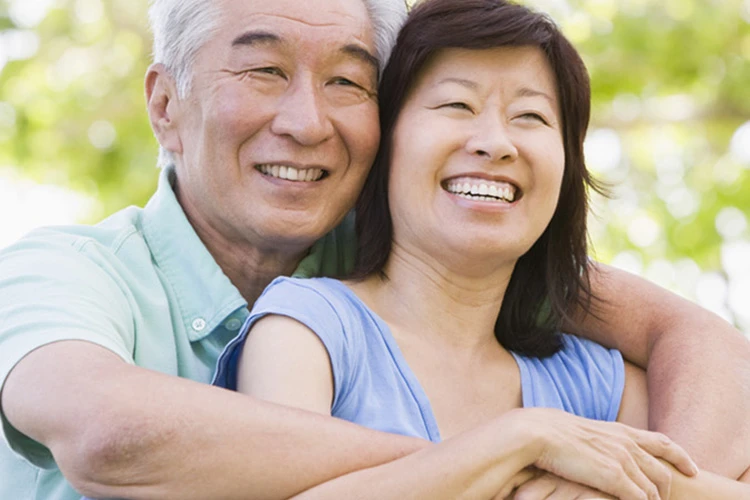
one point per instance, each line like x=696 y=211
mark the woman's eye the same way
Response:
x=457 y=105
x=534 y=116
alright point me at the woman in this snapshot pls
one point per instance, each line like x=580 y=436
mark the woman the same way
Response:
x=472 y=251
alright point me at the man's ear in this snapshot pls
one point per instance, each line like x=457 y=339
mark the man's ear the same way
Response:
x=162 y=103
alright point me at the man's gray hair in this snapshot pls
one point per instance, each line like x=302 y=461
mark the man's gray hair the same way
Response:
x=182 y=27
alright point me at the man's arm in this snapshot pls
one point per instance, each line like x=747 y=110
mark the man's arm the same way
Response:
x=118 y=430
x=122 y=431
x=698 y=365
x=704 y=485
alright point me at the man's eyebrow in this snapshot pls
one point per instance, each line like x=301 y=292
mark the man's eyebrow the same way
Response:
x=362 y=54
x=255 y=37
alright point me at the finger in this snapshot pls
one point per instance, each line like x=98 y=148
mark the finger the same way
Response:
x=521 y=478
x=661 y=446
x=539 y=488
x=622 y=479
x=579 y=495
x=642 y=478
x=657 y=472
x=567 y=490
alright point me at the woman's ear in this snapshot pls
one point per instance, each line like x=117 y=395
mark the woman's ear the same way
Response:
x=162 y=102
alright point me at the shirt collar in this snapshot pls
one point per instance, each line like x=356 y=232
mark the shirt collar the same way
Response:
x=204 y=295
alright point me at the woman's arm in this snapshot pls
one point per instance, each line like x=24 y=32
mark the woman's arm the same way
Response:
x=698 y=365
x=704 y=485
x=284 y=362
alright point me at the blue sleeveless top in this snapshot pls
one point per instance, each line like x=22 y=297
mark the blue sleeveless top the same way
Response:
x=374 y=386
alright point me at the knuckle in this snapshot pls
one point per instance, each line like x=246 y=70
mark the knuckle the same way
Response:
x=663 y=439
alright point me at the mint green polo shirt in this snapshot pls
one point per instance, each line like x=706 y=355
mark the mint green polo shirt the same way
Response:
x=141 y=284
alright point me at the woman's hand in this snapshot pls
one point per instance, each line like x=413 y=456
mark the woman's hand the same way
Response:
x=607 y=456
x=546 y=486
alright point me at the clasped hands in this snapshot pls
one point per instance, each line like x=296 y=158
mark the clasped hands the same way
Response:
x=589 y=459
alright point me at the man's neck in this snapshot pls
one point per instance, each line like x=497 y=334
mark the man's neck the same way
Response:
x=248 y=260
x=250 y=269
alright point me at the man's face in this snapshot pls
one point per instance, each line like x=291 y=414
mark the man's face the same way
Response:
x=281 y=124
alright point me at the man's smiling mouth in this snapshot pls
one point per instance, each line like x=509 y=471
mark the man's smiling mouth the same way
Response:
x=289 y=173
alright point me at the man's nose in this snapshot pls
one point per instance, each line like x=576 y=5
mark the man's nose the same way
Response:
x=491 y=139
x=302 y=114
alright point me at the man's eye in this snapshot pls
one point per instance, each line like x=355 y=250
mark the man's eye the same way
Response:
x=269 y=70
x=345 y=82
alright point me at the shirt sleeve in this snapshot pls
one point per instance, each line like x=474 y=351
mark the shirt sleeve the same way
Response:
x=52 y=291
x=583 y=378
x=311 y=303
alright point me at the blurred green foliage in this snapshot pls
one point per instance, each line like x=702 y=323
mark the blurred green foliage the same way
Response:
x=79 y=111
x=671 y=88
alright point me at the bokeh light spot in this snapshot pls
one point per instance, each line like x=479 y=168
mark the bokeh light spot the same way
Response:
x=643 y=231
x=102 y=134
x=731 y=223
x=740 y=145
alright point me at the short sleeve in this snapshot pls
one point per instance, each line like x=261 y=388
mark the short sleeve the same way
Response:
x=312 y=303
x=583 y=378
x=52 y=291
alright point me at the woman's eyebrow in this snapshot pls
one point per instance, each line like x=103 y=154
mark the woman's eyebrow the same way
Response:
x=529 y=92
x=459 y=81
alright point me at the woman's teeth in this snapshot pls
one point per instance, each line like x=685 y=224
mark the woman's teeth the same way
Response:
x=482 y=190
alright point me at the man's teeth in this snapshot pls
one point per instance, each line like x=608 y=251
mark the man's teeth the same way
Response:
x=483 y=191
x=291 y=173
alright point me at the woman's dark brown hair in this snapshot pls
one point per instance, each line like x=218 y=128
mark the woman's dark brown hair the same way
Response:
x=551 y=279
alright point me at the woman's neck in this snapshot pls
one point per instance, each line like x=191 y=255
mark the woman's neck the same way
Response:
x=425 y=298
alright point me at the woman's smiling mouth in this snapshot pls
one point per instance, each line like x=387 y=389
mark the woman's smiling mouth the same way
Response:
x=473 y=188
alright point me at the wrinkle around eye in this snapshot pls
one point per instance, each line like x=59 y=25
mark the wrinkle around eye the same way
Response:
x=266 y=70
x=257 y=73
x=346 y=95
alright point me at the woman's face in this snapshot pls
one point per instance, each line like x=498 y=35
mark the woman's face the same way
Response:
x=477 y=158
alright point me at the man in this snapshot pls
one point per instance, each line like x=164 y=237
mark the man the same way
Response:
x=266 y=113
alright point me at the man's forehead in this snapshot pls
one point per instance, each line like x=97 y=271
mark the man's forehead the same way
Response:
x=341 y=14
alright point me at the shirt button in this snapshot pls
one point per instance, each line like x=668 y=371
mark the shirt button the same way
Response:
x=233 y=324
x=199 y=324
